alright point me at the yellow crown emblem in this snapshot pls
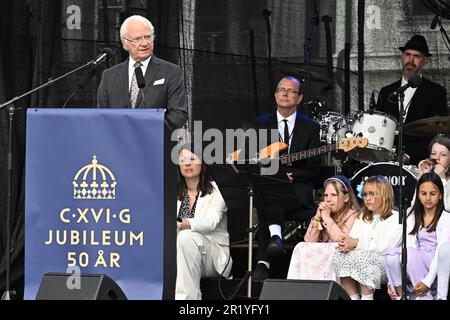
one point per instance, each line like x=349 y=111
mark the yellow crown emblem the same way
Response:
x=94 y=181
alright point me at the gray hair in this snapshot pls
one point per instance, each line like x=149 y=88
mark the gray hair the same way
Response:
x=141 y=19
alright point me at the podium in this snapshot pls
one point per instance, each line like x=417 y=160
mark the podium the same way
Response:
x=100 y=193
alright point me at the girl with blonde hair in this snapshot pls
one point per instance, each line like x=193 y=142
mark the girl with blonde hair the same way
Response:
x=359 y=261
x=335 y=215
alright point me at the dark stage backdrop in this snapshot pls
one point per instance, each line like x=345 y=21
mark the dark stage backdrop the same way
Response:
x=223 y=48
x=43 y=39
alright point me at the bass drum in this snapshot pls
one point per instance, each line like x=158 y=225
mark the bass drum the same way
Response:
x=391 y=171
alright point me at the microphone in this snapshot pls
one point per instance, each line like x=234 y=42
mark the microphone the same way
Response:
x=414 y=82
x=434 y=22
x=139 y=78
x=105 y=53
x=140 y=82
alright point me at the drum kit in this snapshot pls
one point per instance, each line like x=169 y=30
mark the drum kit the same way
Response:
x=380 y=129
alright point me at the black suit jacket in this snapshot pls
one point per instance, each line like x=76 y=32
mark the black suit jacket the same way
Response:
x=305 y=135
x=164 y=88
x=429 y=100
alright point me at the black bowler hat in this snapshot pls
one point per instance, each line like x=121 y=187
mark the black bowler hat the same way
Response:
x=417 y=42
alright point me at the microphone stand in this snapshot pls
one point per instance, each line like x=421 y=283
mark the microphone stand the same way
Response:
x=266 y=13
x=8 y=294
x=402 y=208
x=248 y=274
x=82 y=84
x=307 y=56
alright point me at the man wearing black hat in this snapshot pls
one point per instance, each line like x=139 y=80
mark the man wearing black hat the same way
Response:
x=429 y=99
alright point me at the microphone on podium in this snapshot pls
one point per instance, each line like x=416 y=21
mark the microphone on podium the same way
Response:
x=139 y=78
x=140 y=82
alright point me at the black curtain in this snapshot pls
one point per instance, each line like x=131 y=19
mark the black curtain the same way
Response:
x=30 y=55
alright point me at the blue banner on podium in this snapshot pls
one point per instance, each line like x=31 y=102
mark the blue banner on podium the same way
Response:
x=95 y=197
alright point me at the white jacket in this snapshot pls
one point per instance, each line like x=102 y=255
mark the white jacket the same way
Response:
x=210 y=220
x=446 y=183
x=381 y=237
x=442 y=234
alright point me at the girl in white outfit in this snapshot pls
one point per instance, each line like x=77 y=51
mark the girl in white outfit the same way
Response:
x=202 y=239
x=359 y=261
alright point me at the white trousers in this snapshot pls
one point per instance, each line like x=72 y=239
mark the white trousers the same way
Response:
x=443 y=272
x=194 y=261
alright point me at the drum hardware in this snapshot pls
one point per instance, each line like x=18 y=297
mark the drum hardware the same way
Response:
x=333 y=127
x=317 y=106
x=338 y=166
x=358 y=114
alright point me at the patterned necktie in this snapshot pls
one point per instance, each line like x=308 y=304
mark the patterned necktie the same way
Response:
x=134 y=87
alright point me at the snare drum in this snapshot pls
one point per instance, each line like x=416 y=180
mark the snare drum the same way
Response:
x=391 y=171
x=380 y=129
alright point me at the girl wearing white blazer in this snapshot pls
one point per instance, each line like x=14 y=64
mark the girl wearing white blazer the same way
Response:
x=359 y=261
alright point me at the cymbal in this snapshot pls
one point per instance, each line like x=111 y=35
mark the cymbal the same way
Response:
x=313 y=76
x=428 y=126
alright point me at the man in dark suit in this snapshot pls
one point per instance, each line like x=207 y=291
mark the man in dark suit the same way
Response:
x=427 y=100
x=300 y=133
x=164 y=82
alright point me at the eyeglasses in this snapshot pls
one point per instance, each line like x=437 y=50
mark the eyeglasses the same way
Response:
x=188 y=160
x=138 y=40
x=286 y=91
x=370 y=194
